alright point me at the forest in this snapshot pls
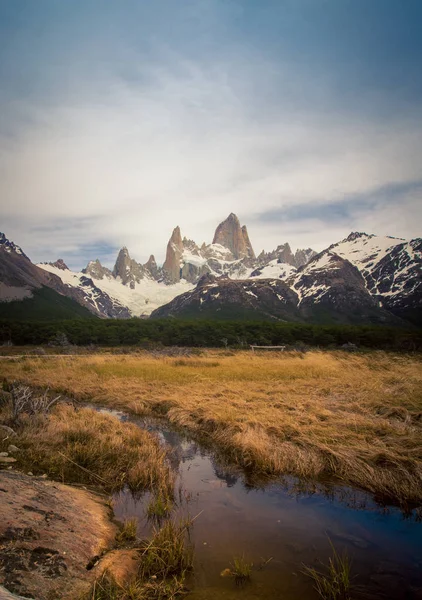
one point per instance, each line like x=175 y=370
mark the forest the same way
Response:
x=146 y=333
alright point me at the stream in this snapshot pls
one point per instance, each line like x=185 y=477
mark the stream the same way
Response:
x=280 y=527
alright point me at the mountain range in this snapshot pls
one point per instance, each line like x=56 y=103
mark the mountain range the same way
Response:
x=361 y=279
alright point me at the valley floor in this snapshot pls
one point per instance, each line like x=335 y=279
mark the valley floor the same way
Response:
x=352 y=417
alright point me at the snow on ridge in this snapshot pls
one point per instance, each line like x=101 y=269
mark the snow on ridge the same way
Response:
x=193 y=259
x=141 y=301
x=274 y=270
x=366 y=252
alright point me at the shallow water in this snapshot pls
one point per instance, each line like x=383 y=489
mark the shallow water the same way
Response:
x=284 y=525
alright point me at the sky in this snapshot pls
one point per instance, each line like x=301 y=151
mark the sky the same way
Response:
x=121 y=120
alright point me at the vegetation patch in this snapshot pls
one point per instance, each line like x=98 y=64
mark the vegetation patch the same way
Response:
x=128 y=533
x=241 y=570
x=81 y=445
x=165 y=561
x=334 y=581
x=352 y=417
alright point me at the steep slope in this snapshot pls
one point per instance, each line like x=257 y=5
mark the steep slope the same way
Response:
x=392 y=269
x=362 y=279
x=135 y=289
x=331 y=289
x=27 y=292
x=44 y=304
x=137 y=299
x=227 y=299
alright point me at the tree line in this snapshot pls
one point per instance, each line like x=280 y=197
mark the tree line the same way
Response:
x=233 y=334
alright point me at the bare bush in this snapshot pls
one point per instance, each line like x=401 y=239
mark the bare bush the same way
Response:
x=24 y=401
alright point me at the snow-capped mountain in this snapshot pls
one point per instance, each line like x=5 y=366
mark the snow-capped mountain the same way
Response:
x=391 y=268
x=363 y=278
x=20 y=279
x=136 y=298
x=142 y=288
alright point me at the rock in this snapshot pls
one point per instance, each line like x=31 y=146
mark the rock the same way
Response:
x=96 y=270
x=7 y=459
x=30 y=473
x=231 y=235
x=4 y=454
x=152 y=267
x=60 y=264
x=129 y=271
x=47 y=559
x=171 y=266
x=6 y=595
x=12 y=448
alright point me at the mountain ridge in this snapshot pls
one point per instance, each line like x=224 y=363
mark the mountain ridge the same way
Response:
x=364 y=276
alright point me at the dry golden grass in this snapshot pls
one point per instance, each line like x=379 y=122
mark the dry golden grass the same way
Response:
x=84 y=446
x=355 y=417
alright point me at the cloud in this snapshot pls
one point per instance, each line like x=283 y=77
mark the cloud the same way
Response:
x=182 y=142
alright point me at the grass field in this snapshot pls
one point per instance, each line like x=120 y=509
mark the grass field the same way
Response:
x=86 y=447
x=354 y=417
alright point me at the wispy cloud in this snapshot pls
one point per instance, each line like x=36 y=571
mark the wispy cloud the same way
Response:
x=122 y=155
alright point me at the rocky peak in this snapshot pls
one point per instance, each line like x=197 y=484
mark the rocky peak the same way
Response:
x=128 y=269
x=231 y=235
x=96 y=270
x=60 y=264
x=355 y=235
x=303 y=256
x=191 y=246
x=8 y=246
x=171 y=266
x=151 y=266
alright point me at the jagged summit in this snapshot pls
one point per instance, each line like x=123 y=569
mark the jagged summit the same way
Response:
x=171 y=266
x=231 y=235
x=8 y=246
x=364 y=278
x=60 y=264
x=96 y=270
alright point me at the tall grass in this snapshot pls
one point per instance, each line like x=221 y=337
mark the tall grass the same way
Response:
x=85 y=446
x=357 y=418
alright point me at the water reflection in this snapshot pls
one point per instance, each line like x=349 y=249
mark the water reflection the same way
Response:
x=289 y=522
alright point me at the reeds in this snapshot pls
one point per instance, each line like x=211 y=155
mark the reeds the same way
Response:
x=333 y=583
x=241 y=570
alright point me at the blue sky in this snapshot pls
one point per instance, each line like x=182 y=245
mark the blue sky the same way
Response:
x=121 y=120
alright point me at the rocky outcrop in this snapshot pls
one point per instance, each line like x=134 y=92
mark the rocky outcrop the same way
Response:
x=60 y=264
x=49 y=532
x=96 y=270
x=8 y=246
x=129 y=271
x=152 y=268
x=302 y=257
x=331 y=289
x=283 y=254
x=171 y=266
x=231 y=235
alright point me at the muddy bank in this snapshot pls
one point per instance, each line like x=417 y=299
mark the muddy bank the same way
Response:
x=48 y=534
